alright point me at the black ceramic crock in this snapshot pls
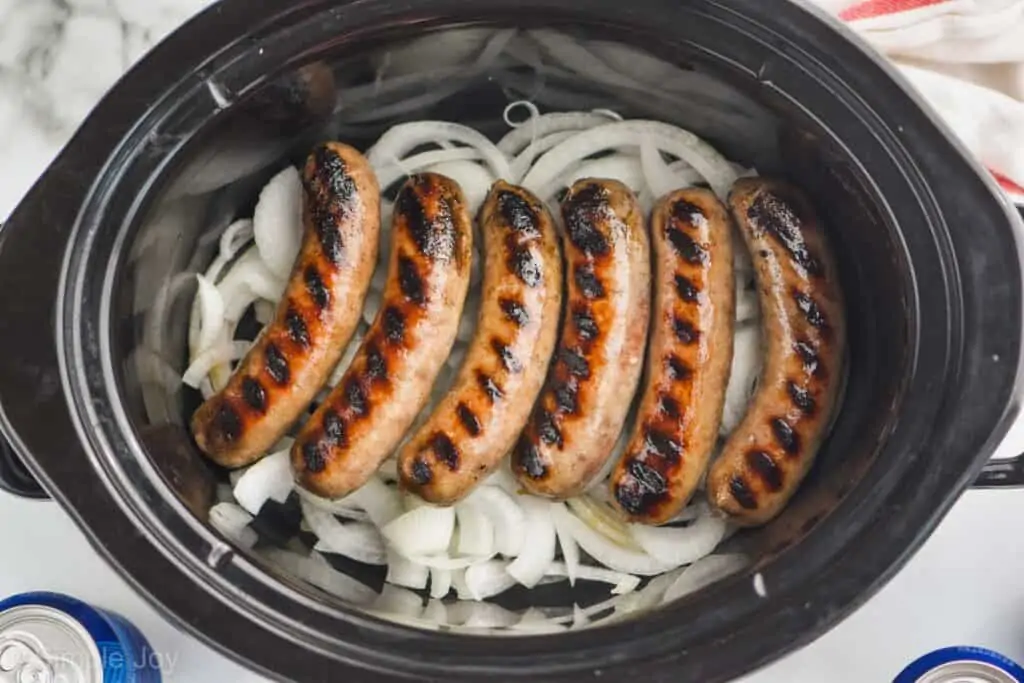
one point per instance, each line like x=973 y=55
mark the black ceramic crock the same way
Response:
x=928 y=251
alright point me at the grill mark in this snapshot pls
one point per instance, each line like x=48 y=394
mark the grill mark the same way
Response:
x=685 y=246
x=686 y=290
x=330 y=237
x=582 y=212
x=642 y=489
x=567 y=397
x=587 y=282
x=548 y=431
x=529 y=458
x=808 y=356
x=493 y=391
x=315 y=286
x=677 y=369
x=685 y=331
x=669 y=406
x=514 y=311
x=810 y=309
x=335 y=431
x=434 y=236
x=518 y=213
x=276 y=364
x=771 y=214
x=376 y=364
x=763 y=465
x=802 y=398
x=662 y=444
x=785 y=436
x=469 y=419
x=741 y=493
x=229 y=423
x=394 y=324
x=313 y=457
x=586 y=326
x=297 y=330
x=410 y=282
x=421 y=472
x=524 y=265
x=445 y=450
x=575 y=362
x=355 y=395
x=507 y=356
x=687 y=213
x=254 y=394
x=332 y=172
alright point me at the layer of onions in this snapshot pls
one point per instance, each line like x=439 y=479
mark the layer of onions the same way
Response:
x=498 y=537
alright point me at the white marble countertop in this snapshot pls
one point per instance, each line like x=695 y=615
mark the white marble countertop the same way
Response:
x=963 y=587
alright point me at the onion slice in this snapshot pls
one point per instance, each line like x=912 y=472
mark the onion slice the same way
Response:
x=570 y=548
x=681 y=545
x=440 y=583
x=361 y=542
x=516 y=140
x=623 y=583
x=393 y=170
x=233 y=522
x=426 y=530
x=211 y=314
x=487 y=579
x=507 y=518
x=277 y=222
x=269 y=479
x=401 y=139
x=529 y=566
x=476 y=532
x=676 y=141
x=404 y=572
x=705 y=571
x=206 y=361
x=608 y=553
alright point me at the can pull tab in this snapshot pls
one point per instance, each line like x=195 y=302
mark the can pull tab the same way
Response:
x=15 y=477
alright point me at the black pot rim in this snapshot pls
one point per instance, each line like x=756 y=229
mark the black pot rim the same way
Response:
x=752 y=632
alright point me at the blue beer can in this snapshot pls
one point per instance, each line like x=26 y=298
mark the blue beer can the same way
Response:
x=54 y=638
x=962 y=665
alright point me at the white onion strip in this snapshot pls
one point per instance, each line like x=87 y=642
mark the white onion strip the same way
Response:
x=401 y=139
x=607 y=553
x=391 y=171
x=679 y=546
x=529 y=566
x=206 y=361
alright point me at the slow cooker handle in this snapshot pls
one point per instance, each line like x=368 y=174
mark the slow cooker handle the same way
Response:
x=1003 y=473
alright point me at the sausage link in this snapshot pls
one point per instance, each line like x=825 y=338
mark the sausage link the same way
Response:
x=769 y=453
x=688 y=358
x=390 y=378
x=315 y=319
x=594 y=374
x=477 y=423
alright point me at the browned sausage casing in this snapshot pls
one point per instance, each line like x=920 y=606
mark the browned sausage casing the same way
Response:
x=477 y=423
x=594 y=374
x=316 y=318
x=768 y=454
x=390 y=378
x=688 y=359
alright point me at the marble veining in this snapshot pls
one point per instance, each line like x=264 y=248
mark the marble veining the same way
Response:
x=57 y=58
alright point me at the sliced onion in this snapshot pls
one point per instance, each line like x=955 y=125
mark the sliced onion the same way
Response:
x=516 y=140
x=211 y=358
x=392 y=170
x=521 y=164
x=248 y=279
x=705 y=571
x=440 y=582
x=316 y=570
x=361 y=542
x=236 y=236
x=570 y=548
x=265 y=311
x=277 y=222
x=529 y=566
x=746 y=366
x=233 y=522
x=400 y=139
x=622 y=583
x=599 y=518
x=424 y=531
x=487 y=579
x=211 y=314
x=661 y=180
x=506 y=516
x=404 y=572
x=380 y=502
x=608 y=553
x=535 y=621
x=475 y=531
x=445 y=561
x=676 y=141
x=270 y=478
x=436 y=612
x=681 y=545
x=339 y=508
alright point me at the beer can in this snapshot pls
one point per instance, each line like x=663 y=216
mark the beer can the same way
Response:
x=54 y=638
x=962 y=665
